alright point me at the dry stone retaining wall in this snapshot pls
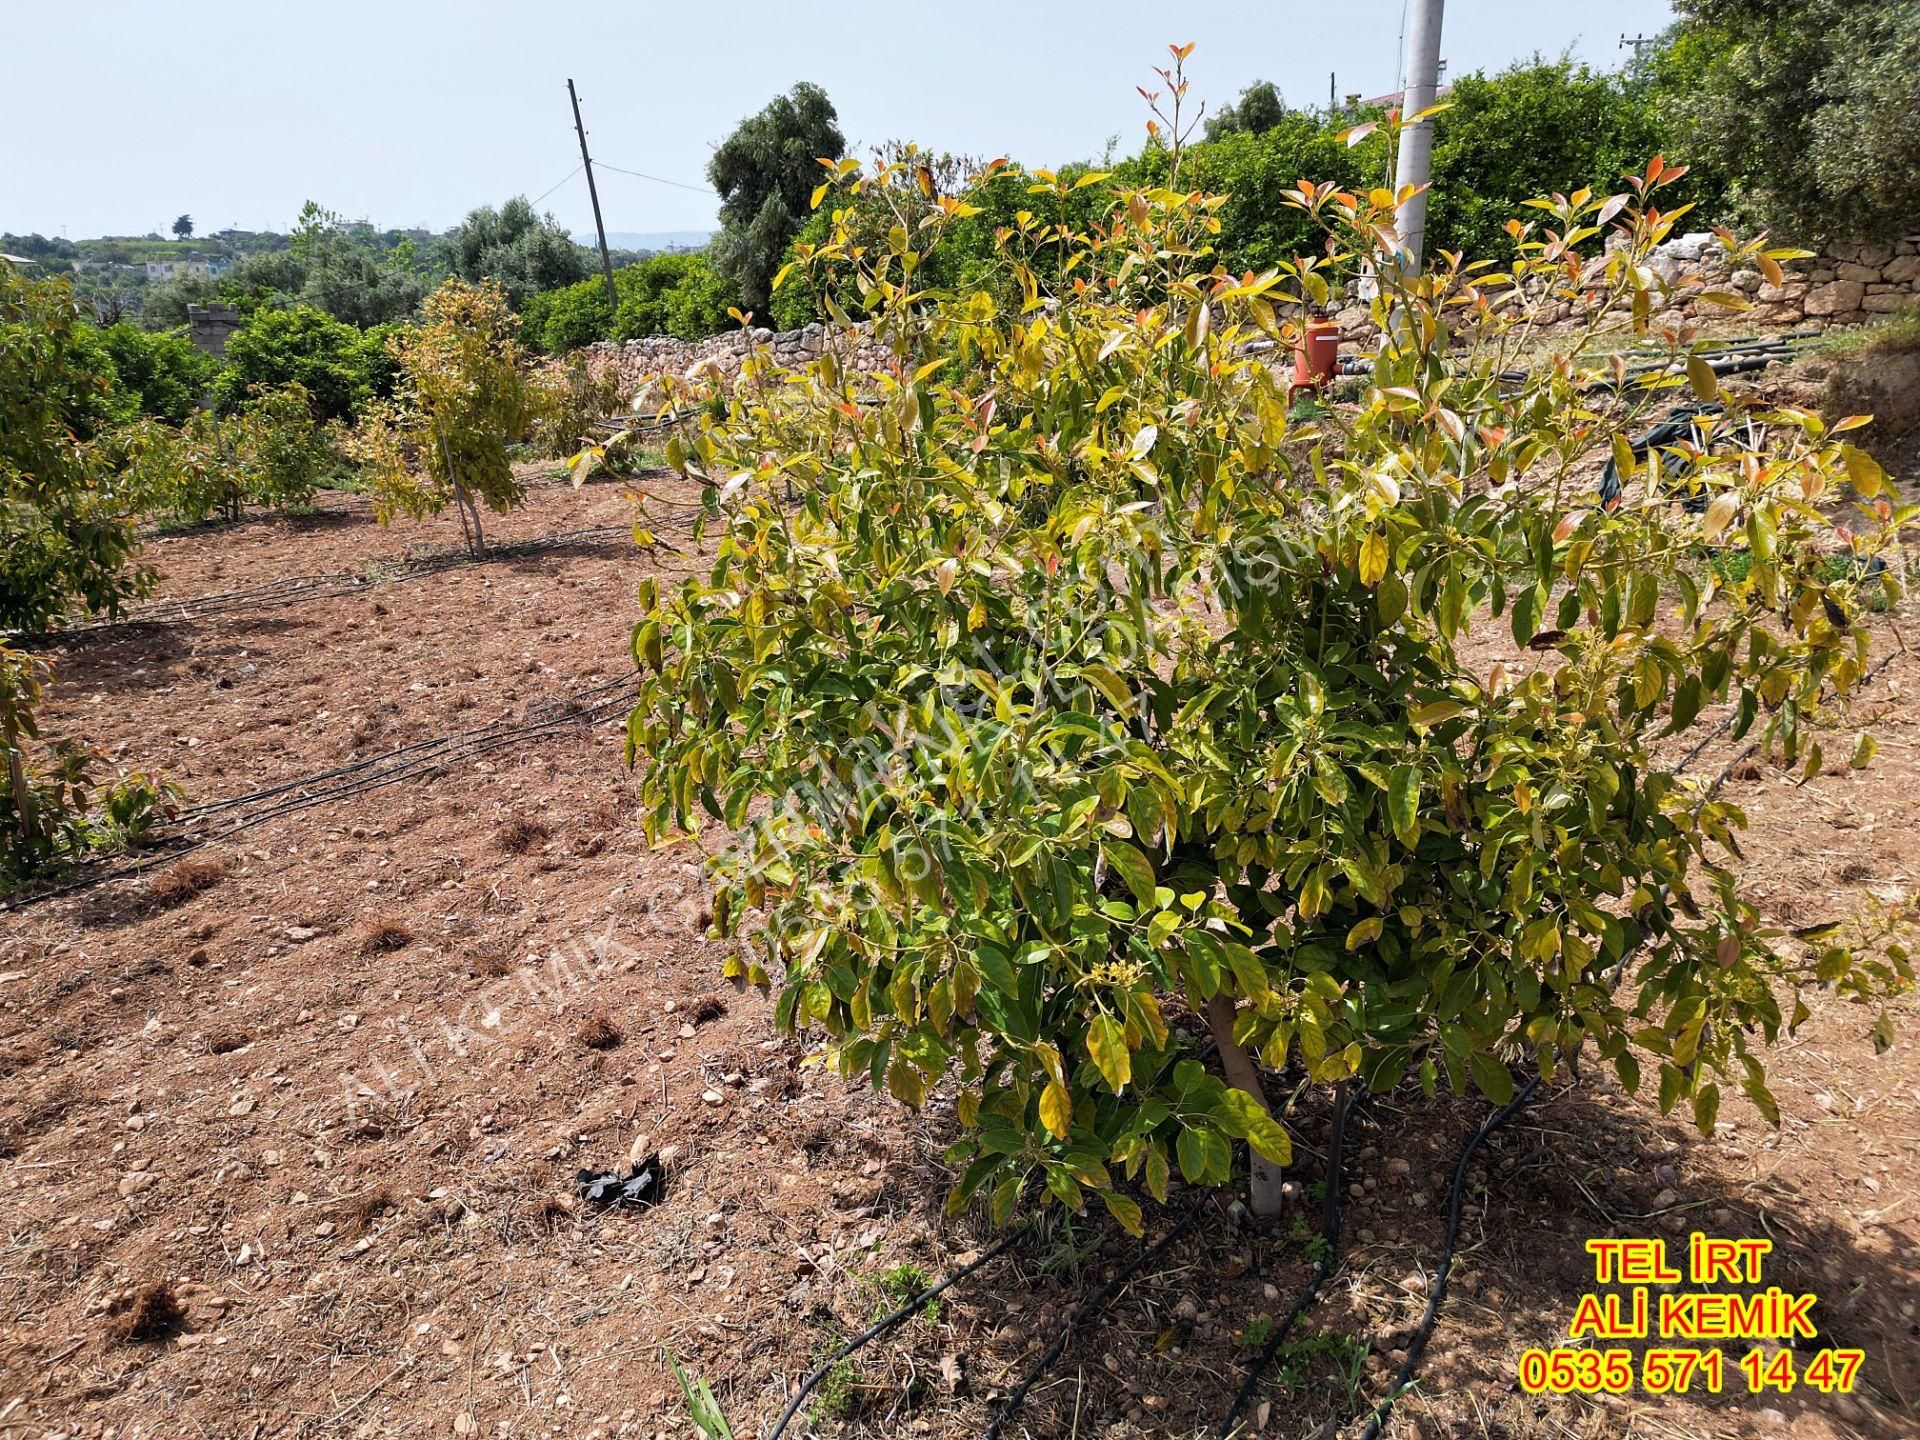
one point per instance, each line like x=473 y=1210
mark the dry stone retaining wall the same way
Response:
x=1847 y=285
x=634 y=360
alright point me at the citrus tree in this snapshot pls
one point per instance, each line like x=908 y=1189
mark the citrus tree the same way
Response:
x=1101 y=736
x=463 y=400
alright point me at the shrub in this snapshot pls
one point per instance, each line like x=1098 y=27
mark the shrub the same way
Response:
x=64 y=540
x=1533 y=127
x=463 y=400
x=63 y=811
x=566 y=401
x=1080 y=701
x=271 y=452
x=680 y=294
x=342 y=369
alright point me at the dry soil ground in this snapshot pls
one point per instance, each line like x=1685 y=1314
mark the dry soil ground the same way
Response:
x=326 y=1084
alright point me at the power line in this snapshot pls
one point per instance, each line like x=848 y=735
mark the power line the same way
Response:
x=555 y=186
x=658 y=179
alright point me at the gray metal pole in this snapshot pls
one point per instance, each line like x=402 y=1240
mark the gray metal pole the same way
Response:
x=1416 y=142
x=593 y=193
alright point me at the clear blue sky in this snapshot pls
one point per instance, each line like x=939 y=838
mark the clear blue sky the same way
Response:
x=120 y=114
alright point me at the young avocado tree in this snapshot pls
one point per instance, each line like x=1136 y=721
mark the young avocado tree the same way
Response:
x=1102 y=738
x=463 y=400
x=66 y=540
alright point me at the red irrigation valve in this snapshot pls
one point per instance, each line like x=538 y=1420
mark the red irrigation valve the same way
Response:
x=1316 y=355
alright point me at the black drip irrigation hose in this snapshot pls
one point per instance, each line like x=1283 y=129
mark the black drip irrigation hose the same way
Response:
x=409 y=762
x=295 y=588
x=1438 y=1291
x=1322 y=1268
x=1084 y=1313
x=882 y=1327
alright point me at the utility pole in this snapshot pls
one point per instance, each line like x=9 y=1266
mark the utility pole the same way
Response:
x=599 y=225
x=1416 y=142
x=1640 y=45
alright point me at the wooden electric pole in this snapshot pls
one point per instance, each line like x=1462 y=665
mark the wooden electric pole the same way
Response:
x=593 y=193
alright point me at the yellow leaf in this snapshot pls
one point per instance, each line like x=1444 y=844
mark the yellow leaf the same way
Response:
x=1700 y=376
x=1056 y=1110
x=1373 y=559
x=1107 y=1045
x=1720 y=513
x=1125 y=1211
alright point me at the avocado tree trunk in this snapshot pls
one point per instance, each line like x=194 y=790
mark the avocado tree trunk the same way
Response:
x=470 y=521
x=1243 y=1074
x=17 y=787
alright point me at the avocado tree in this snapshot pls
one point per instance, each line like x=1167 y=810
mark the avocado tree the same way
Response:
x=65 y=539
x=463 y=400
x=1101 y=737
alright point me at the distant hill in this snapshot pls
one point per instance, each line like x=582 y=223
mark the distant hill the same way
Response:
x=649 y=239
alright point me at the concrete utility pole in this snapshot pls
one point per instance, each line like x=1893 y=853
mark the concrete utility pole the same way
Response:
x=1416 y=143
x=593 y=193
x=1640 y=45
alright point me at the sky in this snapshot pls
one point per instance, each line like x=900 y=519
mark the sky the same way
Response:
x=411 y=112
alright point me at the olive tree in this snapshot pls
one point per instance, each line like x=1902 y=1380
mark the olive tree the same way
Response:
x=1081 y=710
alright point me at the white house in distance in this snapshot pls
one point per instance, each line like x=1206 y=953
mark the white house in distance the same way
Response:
x=167 y=269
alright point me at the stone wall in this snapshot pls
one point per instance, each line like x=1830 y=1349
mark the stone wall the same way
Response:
x=1846 y=285
x=634 y=360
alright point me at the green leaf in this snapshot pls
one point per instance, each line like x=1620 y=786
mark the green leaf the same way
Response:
x=1439 y=712
x=1134 y=868
x=1157 y=1172
x=1493 y=1078
x=1205 y=1157
x=1706 y=1107
x=1261 y=1130
x=1403 y=804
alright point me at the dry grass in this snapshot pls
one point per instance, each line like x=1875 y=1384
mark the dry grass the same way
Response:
x=358 y=1212
x=155 y=1313
x=598 y=1032
x=520 y=835
x=183 y=880
x=384 y=936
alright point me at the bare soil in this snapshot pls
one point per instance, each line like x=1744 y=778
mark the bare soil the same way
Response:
x=289 y=1131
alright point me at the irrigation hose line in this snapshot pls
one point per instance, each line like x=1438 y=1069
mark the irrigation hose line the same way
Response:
x=898 y=1317
x=1322 y=1267
x=1438 y=1291
x=296 y=588
x=1084 y=1313
x=358 y=779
